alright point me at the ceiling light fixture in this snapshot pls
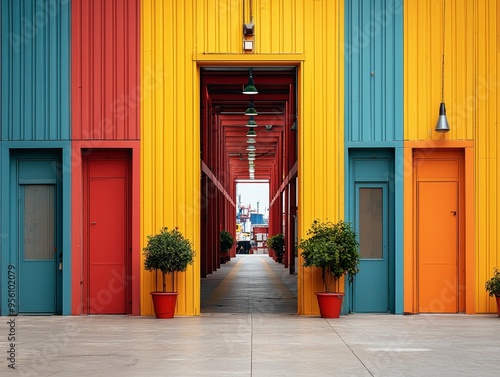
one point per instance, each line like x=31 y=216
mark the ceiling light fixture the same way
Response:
x=251 y=133
x=250 y=88
x=251 y=122
x=250 y=110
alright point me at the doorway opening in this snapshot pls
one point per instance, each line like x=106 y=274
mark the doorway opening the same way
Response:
x=252 y=211
x=248 y=143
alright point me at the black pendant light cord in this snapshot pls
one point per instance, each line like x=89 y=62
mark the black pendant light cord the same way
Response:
x=442 y=61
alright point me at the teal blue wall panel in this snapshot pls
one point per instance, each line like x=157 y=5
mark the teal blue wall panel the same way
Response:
x=373 y=70
x=35 y=70
x=374 y=59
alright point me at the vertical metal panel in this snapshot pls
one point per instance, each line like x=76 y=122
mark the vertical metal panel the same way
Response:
x=321 y=130
x=484 y=103
x=35 y=70
x=170 y=138
x=423 y=33
x=373 y=52
x=105 y=70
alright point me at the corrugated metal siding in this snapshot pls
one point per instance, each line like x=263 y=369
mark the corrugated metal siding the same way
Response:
x=172 y=33
x=484 y=103
x=423 y=30
x=373 y=53
x=105 y=70
x=279 y=25
x=170 y=138
x=321 y=130
x=35 y=70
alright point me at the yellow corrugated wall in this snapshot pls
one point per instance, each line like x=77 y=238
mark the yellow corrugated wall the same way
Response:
x=423 y=62
x=471 y=96
x=484 y=104
x=170 y=134
x=179 y=37
x=321 y=132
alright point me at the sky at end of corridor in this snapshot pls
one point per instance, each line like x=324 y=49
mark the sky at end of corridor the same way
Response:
x=251 y=193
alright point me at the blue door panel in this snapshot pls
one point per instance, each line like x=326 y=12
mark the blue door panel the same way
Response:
x=372 y=283
x=37 y=259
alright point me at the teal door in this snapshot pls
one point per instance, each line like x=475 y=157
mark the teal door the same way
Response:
x=39 y=257
x=371 y=285
x=371 y=196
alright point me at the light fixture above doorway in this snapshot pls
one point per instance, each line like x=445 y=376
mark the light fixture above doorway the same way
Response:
x=250 y=88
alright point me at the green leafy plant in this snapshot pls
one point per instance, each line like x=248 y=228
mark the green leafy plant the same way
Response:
x=277 y=243
x=333 y=247
x=493 y=285
x=168 y=252
x=226 y=241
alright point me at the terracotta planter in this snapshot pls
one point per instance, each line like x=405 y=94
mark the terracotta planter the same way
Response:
x=164 y=304
x=330 y=304
x=498 y=305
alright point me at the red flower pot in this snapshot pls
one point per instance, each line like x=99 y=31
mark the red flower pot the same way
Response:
x=330 y=304
x=164 y=304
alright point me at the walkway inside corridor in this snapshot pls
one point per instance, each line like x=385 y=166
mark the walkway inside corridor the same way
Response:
x=250 y=283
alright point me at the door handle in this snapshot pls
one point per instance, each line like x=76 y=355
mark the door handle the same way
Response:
x=93 y=223
x=454 y=213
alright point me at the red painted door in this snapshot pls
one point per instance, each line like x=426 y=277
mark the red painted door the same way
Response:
x=108 y=241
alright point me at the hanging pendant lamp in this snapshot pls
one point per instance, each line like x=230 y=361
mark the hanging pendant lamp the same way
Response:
x=250 y=88
x=251 y=122
x=251 y=111
x=442 y=125
x=251 y=133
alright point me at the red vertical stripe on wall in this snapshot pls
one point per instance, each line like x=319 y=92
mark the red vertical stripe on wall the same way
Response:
x=105 y=70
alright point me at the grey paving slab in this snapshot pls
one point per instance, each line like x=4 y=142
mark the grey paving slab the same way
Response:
x=257 y=335
x=255 y=345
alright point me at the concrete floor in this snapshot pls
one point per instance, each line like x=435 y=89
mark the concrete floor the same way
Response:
x=253 y=339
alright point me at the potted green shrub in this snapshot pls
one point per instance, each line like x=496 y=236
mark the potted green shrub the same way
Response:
x=333 y=247
x=493 y=287
x=226 y=243
x=167 y=252
x=277 y=243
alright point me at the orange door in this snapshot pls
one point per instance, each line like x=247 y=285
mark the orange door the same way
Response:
x=438 y=239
